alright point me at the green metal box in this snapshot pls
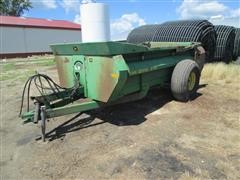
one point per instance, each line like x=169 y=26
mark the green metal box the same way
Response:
x=111 y=70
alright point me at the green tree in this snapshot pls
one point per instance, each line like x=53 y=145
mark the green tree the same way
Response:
x=14 y=7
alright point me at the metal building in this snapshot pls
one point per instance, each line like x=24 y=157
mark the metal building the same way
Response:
x=20 y=36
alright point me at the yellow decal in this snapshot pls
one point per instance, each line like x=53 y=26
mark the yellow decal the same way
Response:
x=114 y=75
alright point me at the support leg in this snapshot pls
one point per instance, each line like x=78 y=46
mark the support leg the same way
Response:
x=36 y=113
x=43 y=122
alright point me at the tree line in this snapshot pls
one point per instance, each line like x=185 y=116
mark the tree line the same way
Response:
x=14 y=7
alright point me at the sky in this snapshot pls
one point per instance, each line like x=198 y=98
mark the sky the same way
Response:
x=128 y=14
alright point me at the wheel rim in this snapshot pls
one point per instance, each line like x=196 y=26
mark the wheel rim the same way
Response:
x=191 y=81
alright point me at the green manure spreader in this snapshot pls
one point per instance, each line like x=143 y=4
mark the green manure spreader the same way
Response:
x=94 y=75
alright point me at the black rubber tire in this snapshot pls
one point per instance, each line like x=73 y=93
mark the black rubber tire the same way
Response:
x=179 y=80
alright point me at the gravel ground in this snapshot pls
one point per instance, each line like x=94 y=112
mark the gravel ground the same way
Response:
x=154 y=138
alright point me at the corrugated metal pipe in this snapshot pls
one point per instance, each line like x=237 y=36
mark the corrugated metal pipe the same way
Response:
x=236 y=49
x=178 y=31
x=225 y=43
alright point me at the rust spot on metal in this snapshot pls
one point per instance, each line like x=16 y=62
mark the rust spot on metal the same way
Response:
x=200 y=56
x=62 y=71
x=106 y=83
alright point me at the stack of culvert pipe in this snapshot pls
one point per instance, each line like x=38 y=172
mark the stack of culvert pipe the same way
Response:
x=225 y=43
x=178 y=31
x=142 y=34
x=236 y=49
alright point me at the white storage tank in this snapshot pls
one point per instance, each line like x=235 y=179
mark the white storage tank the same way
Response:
x=94 y=22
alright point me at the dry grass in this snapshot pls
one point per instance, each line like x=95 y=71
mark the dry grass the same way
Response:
x=226 y=73
x=198 y=176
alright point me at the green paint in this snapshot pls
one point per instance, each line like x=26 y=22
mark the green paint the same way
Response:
x=72 y=108
x=114 y=72
x=108 y=74
x=97 y=49
x=116 y=48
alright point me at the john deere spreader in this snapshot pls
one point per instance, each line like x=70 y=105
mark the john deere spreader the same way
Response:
x=94 y=75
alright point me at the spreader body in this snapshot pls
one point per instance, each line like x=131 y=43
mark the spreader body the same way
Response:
x=94 y=75
x=110 y=71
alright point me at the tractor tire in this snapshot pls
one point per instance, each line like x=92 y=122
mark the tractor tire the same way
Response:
x=185 y=80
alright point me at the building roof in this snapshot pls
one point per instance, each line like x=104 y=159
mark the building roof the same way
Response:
x=37 y=23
